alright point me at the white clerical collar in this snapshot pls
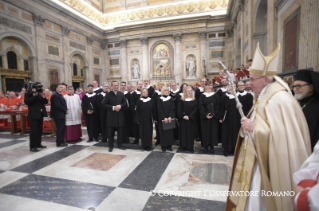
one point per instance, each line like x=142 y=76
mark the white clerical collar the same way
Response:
x=158 y=92
x=145 y=99
x=96 y=89
x=224 y=89
x=230 y=96
x=91 y=95
x=147 y=87
x=242 y=93
x=208 y=94
x=181 y=94
x=137 y=92
x=103 y=93
x=201 y=89
x=189 y=99
x=125 y=92
x=131 y=92
x=177 y=90
x=165 y=98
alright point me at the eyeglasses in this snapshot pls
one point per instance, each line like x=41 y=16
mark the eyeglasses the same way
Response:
x=255 y=79
x=299 y=86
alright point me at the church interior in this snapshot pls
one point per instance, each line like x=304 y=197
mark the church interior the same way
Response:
x=77 y=42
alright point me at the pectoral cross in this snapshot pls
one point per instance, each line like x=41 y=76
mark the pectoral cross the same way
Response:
x=240 y=179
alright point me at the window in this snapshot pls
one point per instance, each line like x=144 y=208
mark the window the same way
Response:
x=12 y=60
x=26 y=64
x=222 y=34
x=117 y=45
x=212 y=35
x=75 y=69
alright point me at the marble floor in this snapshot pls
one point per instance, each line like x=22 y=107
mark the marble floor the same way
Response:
x=85 y=176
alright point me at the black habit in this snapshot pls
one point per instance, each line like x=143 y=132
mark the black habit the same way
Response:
x=156 y=96
x=187 y=107
x=231 y=122
x=103 y=115
x=115 y=119
x=144 y=116
x=165 y=108
x=128 y=116
x=198 y=134
x=310 y=108
x=89 y=102
x=209 y=126
x=175 y=95
x=246 y=99
x=150 y=90
x=135 y=97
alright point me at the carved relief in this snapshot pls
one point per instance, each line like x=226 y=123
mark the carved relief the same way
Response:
x=15 y=25
x=144 y=40
x=38 y=20
x=178 y=37
x=77 y=45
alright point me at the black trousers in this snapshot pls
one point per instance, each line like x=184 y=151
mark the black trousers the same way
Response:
x=104 y=127
x=92 y=125
x=111 y=131
x=36 y=126
x=60 y=130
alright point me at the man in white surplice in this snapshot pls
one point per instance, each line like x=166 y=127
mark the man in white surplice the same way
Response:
x=73 y=130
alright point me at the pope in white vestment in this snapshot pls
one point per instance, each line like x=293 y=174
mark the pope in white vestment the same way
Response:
x=73 y=130
x=265 y=165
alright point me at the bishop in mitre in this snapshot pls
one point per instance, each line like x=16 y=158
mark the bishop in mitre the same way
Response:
x=280 y=144
x=73 y=130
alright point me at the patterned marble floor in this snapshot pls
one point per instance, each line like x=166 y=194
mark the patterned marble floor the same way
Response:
x=85 y=176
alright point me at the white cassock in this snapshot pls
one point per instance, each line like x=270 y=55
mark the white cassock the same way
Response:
x=308 y=178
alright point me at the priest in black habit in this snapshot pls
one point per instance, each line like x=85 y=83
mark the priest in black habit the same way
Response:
x=103 y=111
x=174 y=92
x=245 y=98
x=166 y=113
x=209 y=111
x=150 y=89
x=230 y=119
x=198 y=92
x=89 y=107
x=306 y=88
x=97 y=90
x=157 y=94
x=115 y=102
x=127 y=113
x=136 y=97
x=187 y=112
x=144 y=117
x=130 y=119
x=221 y=94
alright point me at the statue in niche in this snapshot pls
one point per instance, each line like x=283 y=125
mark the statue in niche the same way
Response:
x=191 y=66
x=136 y=70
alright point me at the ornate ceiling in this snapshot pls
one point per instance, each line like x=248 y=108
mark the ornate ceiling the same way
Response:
x=110 y=13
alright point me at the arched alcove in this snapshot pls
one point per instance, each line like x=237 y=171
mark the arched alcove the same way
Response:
x=260 y=26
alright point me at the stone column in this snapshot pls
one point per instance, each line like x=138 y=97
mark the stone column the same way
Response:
x=20 y=61
x=203 y=39
x=39 y=72
x=104 y=62
x=86 y=70
x=4 y=61
x=242 y=31
x=66 y=77
x=145 y=67
x=178 y=59
x=271 y=26
x=123 y=60
x=89 y=75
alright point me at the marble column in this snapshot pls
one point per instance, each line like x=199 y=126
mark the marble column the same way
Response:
x=145 y=67
x=104 y=62
x=4 y=61
x=203 y=39
x=242 y=31
x=123 y=59
x=271 y=26
x=178 y=58
x=66 y=76
x=89 y=75
x=20 y=63
x=39 y=72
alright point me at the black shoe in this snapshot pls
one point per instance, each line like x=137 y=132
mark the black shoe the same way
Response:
x=205 y=150
x=163 y=150
x=121 y=147
x=226 y=152
x=157 y=143
x=136 y=142
x=41 y=146
x=148 y=149
x=62 y=145
x=97 y=140
x=198 y=140
x=34 y=150
x=89 y=140
x=191 y=151
x=155 y=137
x=170 y=149
x=110 y=149
x=212 y=151
x=103 y=140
